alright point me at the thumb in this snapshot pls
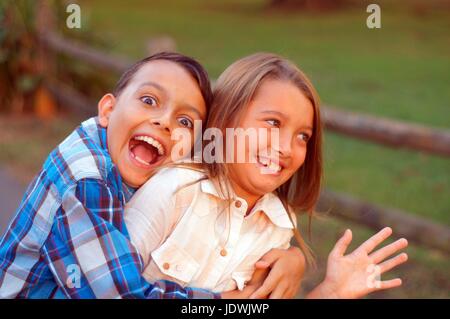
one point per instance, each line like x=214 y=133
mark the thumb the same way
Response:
x=342 y=244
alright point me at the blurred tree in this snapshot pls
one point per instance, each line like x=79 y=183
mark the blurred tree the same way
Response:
x=26 y=64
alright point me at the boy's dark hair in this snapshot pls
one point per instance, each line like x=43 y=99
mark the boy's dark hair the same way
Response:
x=189 y=64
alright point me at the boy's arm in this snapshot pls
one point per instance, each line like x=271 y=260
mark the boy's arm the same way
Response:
x=91 y=226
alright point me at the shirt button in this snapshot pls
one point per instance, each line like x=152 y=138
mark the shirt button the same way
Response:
x=223 y=252
x=238 y=203
x=166 y=266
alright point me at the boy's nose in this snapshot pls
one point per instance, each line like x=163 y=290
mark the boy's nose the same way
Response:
x=162 y=124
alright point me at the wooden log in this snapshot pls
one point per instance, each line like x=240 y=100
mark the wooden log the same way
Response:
x=70 y=99
x=82 y=52
x=415 y=229
x=388 y=132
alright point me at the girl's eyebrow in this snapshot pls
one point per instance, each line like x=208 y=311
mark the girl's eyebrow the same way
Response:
x=282 y=115
x=275 y=113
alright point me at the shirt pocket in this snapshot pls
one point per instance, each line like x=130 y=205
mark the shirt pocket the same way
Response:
x=173 y=261
x=241 y=278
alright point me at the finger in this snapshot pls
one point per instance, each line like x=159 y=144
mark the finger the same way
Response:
x=382 y=253
x=258 y=277
x=270 y=256
x=289 y=293
x=267 y=287
x=376 y=239
x=393 y=262
x=279 y=292
x=262 y=264
x=388 y=284
x=342 y=244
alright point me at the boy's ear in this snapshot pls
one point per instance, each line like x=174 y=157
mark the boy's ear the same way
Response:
x=105 y=107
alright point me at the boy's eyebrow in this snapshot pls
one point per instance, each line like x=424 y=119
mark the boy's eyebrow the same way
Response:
x=193 y=109
x=155 y=85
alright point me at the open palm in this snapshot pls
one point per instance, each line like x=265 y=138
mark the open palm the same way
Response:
x=358 y=273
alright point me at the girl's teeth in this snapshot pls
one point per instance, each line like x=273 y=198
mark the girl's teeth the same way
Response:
x=270 y=165
x=274 y=167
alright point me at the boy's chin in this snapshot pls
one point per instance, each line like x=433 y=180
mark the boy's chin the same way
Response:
x=134 y=181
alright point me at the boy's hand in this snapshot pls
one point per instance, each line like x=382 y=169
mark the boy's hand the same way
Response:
x=358 y=274
x=287 y=267
x=257 y=280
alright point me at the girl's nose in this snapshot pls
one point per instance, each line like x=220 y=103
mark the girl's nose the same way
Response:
x=283 y=147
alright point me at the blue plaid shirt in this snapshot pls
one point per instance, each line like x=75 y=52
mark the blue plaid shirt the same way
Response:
x=68 y=238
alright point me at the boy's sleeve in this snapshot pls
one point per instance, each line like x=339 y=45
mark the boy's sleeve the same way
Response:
x=96 y=250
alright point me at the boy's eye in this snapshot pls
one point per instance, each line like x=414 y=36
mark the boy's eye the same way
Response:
x=185 y=122
x=273 y=122
x=149 y=100
x=304 y=137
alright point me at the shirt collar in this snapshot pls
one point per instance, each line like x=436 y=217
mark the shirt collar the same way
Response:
x=270 y=204
x=128 y=191
x=98 y=134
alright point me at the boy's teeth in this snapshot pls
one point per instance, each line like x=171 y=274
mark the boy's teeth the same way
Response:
x=151 y=141
x=140 y=160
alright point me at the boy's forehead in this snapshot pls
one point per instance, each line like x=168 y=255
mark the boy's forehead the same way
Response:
x=159 y=70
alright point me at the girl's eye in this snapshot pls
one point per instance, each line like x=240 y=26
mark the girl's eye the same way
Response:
x=185 y=122
x=304 y=137
x=149 y=100
x=273 y=122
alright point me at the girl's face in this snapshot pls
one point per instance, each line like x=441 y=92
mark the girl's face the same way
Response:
x=277 y=104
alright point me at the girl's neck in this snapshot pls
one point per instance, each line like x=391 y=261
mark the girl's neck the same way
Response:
x=250 y=198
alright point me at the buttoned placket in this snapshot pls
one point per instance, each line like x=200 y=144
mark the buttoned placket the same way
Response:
x=238 y=209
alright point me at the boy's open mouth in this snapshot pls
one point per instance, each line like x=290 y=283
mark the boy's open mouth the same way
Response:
x=146 y=150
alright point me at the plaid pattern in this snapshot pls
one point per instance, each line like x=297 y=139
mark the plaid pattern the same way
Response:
x=68 y=238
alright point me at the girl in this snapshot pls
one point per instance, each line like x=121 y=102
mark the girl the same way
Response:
x=210 y=223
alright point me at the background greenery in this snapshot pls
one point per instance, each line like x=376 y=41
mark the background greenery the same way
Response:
x=400 y=71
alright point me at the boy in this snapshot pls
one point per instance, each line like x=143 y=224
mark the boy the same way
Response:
x=68 y=238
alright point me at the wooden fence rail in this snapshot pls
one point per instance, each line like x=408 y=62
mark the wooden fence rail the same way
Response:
x=375 y=129
x=414 y=228
x=388 y=132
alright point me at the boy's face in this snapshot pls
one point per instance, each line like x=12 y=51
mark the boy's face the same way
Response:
x=160 y=97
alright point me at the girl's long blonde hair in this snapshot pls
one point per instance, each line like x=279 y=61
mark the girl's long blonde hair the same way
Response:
x=233 y=92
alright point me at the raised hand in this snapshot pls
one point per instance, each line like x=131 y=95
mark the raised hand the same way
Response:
x=358 y=273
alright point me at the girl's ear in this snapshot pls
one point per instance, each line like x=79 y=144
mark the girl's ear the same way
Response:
x=105 y=107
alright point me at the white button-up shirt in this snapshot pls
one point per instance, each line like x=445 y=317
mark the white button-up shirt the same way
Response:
x=187 y=232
